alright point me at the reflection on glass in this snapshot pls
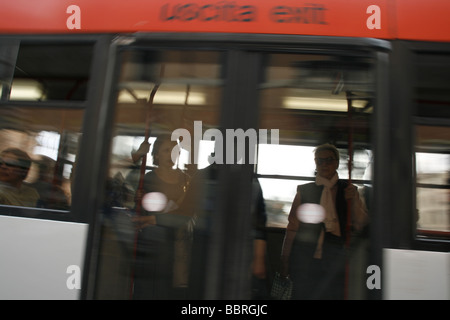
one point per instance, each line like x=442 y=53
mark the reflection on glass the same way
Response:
x=432 y=167
x=278 y=195
x=297 y=161
x=148 y=210
x=433 y=179
x=312 y=100
x=50 y=138
x=433 y=209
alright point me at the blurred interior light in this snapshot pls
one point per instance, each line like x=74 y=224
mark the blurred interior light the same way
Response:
x=320 y=104
x=164 y=97
x=168 y=97
x=26 y=89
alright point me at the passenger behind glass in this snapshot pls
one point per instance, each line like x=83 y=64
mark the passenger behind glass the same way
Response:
x=258 y=266
x=14 y=167
x=313 y=252
x=133 y=177
x=201 y=202
x=163 y=241
x=51 y=195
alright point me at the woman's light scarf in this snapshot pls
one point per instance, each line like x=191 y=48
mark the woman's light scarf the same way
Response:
x=331 y=219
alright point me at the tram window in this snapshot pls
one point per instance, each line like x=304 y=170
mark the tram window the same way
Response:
x=51 y=72
x=282 y=161
x=40 y=72
x=433 y=181
x=306 y=97
x=312 y=100
x=432 y=153
x=159 y=91
x=186 y=93
x=50 y=138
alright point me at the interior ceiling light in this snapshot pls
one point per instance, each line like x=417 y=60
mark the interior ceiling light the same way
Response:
x=320 y=104
x=26 y=90
x=163 y=97
x=171 y=97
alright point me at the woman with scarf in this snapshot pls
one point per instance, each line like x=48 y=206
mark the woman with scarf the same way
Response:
x=313 y=253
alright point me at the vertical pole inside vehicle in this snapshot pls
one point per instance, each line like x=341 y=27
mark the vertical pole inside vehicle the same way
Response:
x=349 y=201
x=141 y=181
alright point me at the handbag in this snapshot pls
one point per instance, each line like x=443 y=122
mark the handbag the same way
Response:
x=281 y=288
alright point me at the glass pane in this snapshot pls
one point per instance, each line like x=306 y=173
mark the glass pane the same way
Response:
x=46 y=141
x=282 y=160
x=8 y=56
x=433 y=180
x=314 y=100
x=52 y=72
x=278 y=195
x=433 y=86
x=153 y=182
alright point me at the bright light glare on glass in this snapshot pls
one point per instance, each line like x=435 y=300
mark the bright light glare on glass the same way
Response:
x=432 y=167
x=47 y=144
x=286 y=160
